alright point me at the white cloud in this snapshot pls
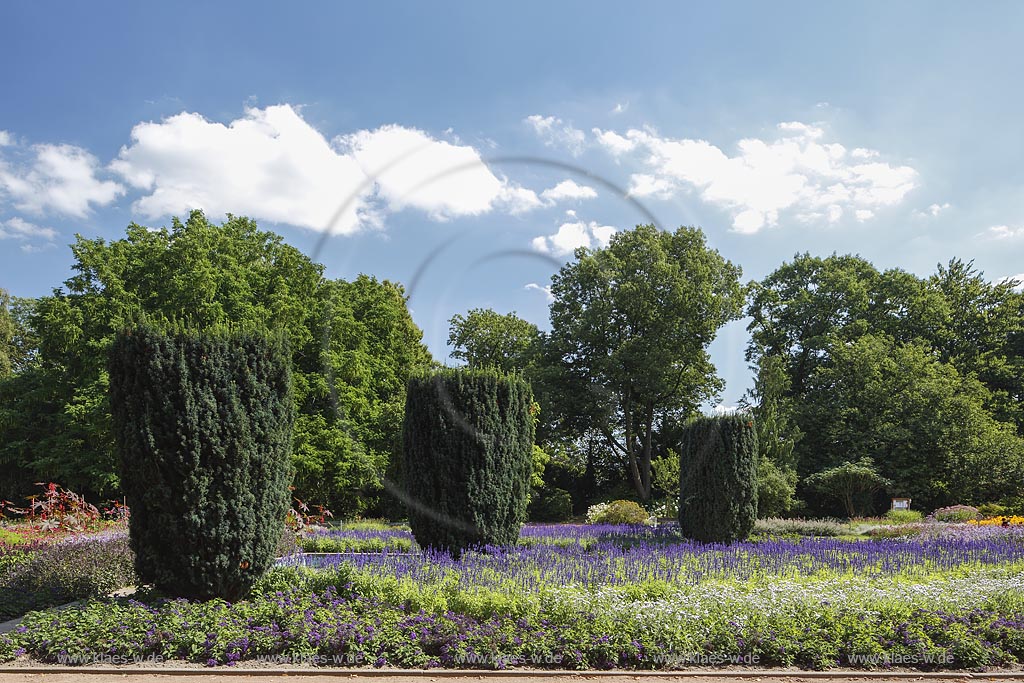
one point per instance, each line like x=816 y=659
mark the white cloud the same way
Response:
x=540 y=288
x=645 y=185
x=861 y=153
x=557 y=133
x=568 y=189
x=517 y=200
x=60 y=179
x=797 y=171
x=28 y=234
x=272 y=165
x=5 y=139
x=1005 y=232
x=802 y=129
x=571 y=236
x=620 y=107
x=613 y=142
x=413 y=169
x=864 y=214
x=722 y=409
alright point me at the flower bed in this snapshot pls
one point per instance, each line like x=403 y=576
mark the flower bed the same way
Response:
x=590 y=597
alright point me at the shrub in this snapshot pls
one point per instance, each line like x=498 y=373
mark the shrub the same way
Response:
x=203 y=426
x=55 y=573
x=718 y=478
x=956 y=513
x=468 y=437
x=550 y=505
x=991 y=510
x=617 y=512
x=903 y=516
x=774 y=526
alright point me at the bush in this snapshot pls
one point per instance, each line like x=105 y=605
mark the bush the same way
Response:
x=550 y=505
x=956 y=513
x=992 y=510
x=468 y=437
x=903 y=516
x=203 y=426
x=57 y=573
x=773 y=526
x=617 y=512
x=718 y=478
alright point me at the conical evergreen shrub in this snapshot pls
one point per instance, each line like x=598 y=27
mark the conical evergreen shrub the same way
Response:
x=718 y=478
x=467 y=440
x=203 y=426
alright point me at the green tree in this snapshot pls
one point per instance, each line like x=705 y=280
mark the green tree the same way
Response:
x=718 y=478
x=353 y=344
x=777 y=436
x=6 y=335
x=916 y=417
x=203 y=426
x=468 y=436
x=483 y=338
x=631 y=324
x=852 y=483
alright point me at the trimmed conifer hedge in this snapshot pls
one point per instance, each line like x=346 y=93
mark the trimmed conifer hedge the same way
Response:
x=467 y=441
x=203 y=426
x=718 y=478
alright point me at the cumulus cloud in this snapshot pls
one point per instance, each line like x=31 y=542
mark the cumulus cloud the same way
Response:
x=568 y=190
x=613 y=142
x=571 y=236
x=557 y=133
x=272 y=164
x=445 y=180
x=723 y=409
x=796 y=170
x=55 y=179
x=28 y=234
x=620 y=107
x=1005 y=232
x=541 y=288
x=5 y=139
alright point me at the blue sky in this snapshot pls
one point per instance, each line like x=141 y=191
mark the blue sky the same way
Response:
x=892 y=130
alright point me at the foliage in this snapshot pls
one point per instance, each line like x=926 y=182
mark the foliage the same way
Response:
x=992 y=510
x=666 y=473
x=6 y=334
x=356 y=541
x=353 y=344
x=203 y=423
x=718 y=478
x=956 y=513
x=54 y=573
x=815 y=603
x=775 y=527
x=903 y=516
x=851 y=483
x=777 y=436
x=630 y=327
x=468 y=436
x=550 y=504
x=56 y=509
x=485 y=339
x=923 y=375
x=923 y=423
x=617 y=512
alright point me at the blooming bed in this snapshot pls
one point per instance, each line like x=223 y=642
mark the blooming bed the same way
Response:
x=589 y=597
